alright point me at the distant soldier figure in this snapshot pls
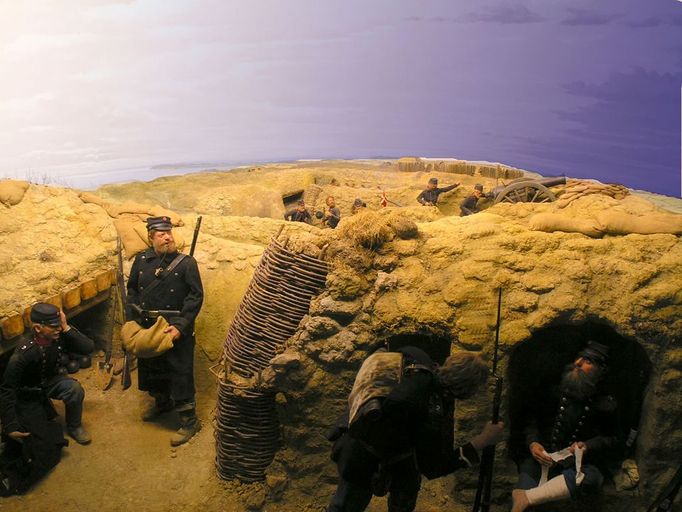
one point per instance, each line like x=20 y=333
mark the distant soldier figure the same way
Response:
x=298 y=214
x=30 y=380
x=429 y=197
x=161 y=278
x=470 y=205
x=333 y=215
x=358 y=205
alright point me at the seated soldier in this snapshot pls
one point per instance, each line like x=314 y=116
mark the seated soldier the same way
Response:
x=572 y=419
x=30 y=380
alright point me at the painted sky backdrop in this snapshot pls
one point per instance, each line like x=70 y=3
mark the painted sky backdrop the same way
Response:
x=588 y=89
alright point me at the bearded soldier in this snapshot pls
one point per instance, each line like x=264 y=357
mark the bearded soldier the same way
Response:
x=164 y=282
x=571 y=436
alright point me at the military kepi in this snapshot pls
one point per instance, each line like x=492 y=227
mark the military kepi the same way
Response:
x=159 y=224
x=46 y=314
x=596 y=352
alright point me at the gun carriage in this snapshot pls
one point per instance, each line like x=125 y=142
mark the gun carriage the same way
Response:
x=527 y=190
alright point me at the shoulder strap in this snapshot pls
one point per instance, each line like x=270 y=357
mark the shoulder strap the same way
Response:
x=176 y=261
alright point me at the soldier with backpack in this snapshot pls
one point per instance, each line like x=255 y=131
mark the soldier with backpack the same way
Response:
x=400 y=425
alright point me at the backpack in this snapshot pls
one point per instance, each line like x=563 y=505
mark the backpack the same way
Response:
x=379 y=374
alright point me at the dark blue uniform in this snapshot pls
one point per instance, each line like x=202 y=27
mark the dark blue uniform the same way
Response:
x=32 y=378
x=413 y=436
x=431 y=196
x=559 y=421
x=172 y=373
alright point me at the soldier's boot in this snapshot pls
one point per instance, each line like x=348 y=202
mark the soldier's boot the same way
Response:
x=190 y=425
x=79 y=434
x=73 y=407
x=162 y=404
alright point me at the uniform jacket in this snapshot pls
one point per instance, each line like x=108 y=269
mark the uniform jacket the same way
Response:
x=31 y=370
x=333 y=217
x=559 y=421
x=431 y=196
x=297 y=216
x=469 y=206
x=181 y=290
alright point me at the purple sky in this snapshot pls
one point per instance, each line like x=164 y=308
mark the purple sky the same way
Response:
x=590 y=90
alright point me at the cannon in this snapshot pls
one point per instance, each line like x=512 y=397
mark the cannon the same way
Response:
x=527 y=190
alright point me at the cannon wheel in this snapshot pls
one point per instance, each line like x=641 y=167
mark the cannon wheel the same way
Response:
x=525 y=192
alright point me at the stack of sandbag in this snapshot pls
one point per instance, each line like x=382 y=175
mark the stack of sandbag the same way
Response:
x=581 y=188
x=129 y=220
x=609 y=222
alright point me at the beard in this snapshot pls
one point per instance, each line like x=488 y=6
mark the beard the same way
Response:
x=577 y=384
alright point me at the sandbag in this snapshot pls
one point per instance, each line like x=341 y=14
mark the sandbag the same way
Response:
x=12 y=191
x=621 y=223
x=146 y=343
x=133 y=235
x=550 y=222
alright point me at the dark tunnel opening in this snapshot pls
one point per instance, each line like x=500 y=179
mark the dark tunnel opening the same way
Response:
x=537 y=364
x=437 y=347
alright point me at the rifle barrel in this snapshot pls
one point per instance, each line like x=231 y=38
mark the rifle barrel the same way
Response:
x=195 y=236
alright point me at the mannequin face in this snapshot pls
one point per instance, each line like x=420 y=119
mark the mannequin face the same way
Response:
x=162 y=242
x=47 y=332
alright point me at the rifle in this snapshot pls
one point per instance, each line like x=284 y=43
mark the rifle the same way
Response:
x=126 y=381
x=485 y=476
x=664 y=501
x=195 y=236
x=153 y=313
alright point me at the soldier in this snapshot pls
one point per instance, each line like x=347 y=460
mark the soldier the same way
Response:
x=470 y=205
x=298 y=214
x=407 y=433
x=429 y=197
x=570 y=422
x=161 y=278
x=32 y=375
x=358 y=205
x=333 y=214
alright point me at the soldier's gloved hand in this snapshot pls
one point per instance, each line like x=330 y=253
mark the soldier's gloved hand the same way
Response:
x=173 y=331
x=491 y=434
x=539 y=454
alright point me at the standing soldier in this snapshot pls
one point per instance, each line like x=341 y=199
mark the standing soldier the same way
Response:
x=164 y=282
x=429 y=196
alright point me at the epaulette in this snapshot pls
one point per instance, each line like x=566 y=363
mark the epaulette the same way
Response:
x=26 y=346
